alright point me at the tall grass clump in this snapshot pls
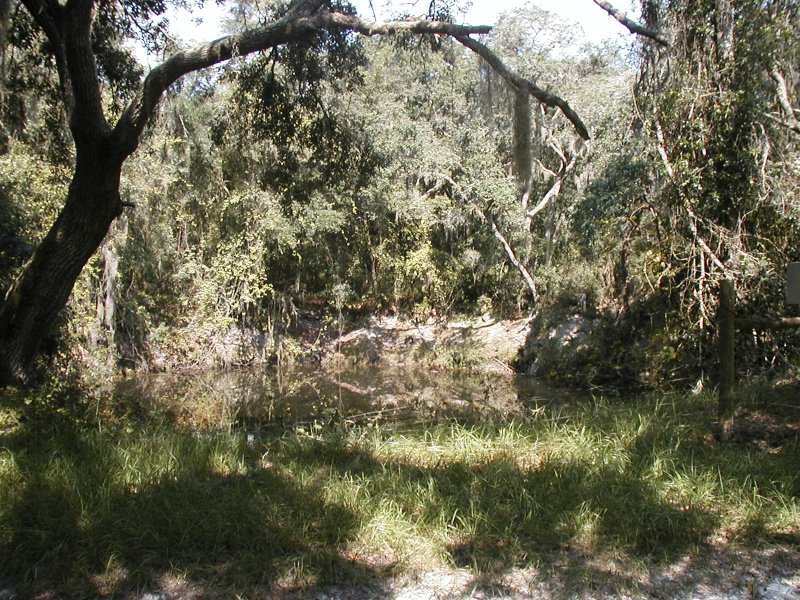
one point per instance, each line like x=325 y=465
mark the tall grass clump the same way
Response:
x=94 y=502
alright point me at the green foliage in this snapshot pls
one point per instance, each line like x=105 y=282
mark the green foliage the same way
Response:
x=31 y=192
x=687 y=189
x=295 y=190
x=581 y=289
x=337 y=174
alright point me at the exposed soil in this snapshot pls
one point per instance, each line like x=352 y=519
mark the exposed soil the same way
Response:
x=712 y=573
x=490 y=345
x=718 y=573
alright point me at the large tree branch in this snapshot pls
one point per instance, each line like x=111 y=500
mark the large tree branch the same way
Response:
x=68 y=29
x=632 y=26
x=543 y=96
x=48 y=14
x=87 y=119
x=304 y=8
x=133 y=119
x=342 y=21
x=288 y=29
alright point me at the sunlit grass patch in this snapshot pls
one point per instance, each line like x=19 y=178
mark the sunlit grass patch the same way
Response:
x=92 y=508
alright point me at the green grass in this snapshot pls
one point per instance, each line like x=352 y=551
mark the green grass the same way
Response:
x=109 y=503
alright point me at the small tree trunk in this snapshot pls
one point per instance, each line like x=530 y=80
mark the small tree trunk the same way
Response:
x=41 y=290
x=724 y=32
x=512 y=257
x=5 y=25
x=725 y=320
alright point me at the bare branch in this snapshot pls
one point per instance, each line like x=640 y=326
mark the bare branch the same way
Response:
x=631 y=25
x=662 y=150
x=783 y=98
x=289 y=28
x=693 y=218
x=512 y=257
x=555 y=189
x=553 y=192
x=520 y=83
x=795 y=127
x=768 y=323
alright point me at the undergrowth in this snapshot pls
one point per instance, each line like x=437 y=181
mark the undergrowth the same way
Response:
x=93 y=502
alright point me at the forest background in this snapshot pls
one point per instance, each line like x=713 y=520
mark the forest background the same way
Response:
x=405 y=177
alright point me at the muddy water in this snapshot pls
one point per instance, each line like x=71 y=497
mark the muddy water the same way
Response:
x=312 y=395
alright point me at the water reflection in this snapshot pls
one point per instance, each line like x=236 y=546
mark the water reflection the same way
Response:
x=272 y=396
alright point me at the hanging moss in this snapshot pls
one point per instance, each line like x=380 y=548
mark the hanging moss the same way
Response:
x=522 y=138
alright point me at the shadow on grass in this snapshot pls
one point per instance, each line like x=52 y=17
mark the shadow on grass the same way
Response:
x=71 y=524
x=503 y=515
x=86 y=513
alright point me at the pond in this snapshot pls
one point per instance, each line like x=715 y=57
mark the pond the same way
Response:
x=305 y=395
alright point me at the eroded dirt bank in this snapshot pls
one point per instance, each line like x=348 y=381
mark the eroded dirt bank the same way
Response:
x=487 y=344
x=483 y=343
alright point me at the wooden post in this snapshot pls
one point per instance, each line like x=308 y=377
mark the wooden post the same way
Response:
x=725 y=320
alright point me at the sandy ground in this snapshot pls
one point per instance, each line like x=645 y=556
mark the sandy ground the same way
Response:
x=770 y=574
x=717 y=573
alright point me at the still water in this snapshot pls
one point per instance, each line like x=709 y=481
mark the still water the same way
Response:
x=269 y=396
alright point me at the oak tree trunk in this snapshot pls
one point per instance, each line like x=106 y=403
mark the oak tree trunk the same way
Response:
x=35 y=299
